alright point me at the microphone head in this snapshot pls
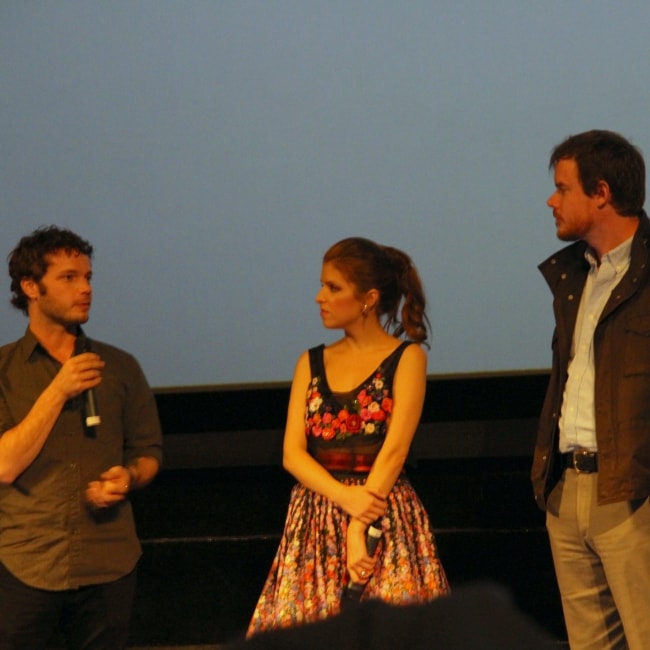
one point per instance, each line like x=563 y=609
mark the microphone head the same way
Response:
x=93 y=420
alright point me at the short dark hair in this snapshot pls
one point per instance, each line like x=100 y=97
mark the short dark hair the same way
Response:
x=29 y=258
x=607 y=156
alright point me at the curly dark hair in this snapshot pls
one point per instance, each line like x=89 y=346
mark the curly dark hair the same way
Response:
x=30 y=257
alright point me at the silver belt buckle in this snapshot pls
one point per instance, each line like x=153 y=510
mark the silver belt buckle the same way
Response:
x=576 y=454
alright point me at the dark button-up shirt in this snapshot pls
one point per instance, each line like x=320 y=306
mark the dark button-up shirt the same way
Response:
x=50 y=538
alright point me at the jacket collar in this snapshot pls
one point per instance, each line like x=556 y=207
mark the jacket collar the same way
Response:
x=570 y=260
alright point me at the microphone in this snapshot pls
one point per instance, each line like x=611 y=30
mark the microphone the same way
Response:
x=354 y=590
x=93 y=418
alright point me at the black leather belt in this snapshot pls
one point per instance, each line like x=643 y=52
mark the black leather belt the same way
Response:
x=582 y=461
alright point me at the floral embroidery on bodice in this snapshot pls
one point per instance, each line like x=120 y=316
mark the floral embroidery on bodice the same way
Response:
x=364 y=411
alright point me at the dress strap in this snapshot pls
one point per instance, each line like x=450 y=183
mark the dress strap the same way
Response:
x=316 y=362
x=390 y=364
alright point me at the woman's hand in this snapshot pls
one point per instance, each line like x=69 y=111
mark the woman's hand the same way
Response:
x=360 y=565
x=362 y=504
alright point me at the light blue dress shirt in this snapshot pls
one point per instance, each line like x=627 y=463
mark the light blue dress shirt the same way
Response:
x=577 y=417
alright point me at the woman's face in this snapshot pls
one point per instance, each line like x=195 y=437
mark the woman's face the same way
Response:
x=338 y=299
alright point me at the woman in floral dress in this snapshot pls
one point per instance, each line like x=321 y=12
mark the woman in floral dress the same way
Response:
x=353 y=411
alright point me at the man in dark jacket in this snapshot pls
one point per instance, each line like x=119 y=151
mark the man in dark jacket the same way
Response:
x=591 y=469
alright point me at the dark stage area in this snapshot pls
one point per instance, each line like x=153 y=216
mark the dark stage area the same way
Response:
x=211 y=521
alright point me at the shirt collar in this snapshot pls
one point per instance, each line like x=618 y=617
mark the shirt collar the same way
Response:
x=618 y=257
x=29 y=344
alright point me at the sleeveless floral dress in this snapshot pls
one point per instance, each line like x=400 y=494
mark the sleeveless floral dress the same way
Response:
x=308 y=575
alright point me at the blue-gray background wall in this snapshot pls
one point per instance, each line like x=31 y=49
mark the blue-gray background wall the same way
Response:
x=212 y=150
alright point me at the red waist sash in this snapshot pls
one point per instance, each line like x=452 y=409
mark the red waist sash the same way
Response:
x=342 y=461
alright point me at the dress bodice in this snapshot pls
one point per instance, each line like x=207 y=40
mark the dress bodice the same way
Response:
x=345 y=431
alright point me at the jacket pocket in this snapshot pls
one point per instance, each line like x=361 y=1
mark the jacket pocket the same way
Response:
x=637 y=346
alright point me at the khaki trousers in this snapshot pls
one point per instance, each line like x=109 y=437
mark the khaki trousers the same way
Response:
x=602 y=563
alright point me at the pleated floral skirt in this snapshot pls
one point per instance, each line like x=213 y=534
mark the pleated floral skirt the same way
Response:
x=308 y=575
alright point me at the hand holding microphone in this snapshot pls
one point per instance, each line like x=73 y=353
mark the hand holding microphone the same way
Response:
x=354 y=589
x=91 y=409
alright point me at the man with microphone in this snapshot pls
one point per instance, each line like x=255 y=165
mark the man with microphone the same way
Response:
x=79 y=430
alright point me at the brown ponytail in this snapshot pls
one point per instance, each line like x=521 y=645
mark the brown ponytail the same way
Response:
x=369 y=265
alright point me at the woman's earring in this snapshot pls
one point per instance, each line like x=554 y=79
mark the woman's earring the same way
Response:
x=364 y=310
